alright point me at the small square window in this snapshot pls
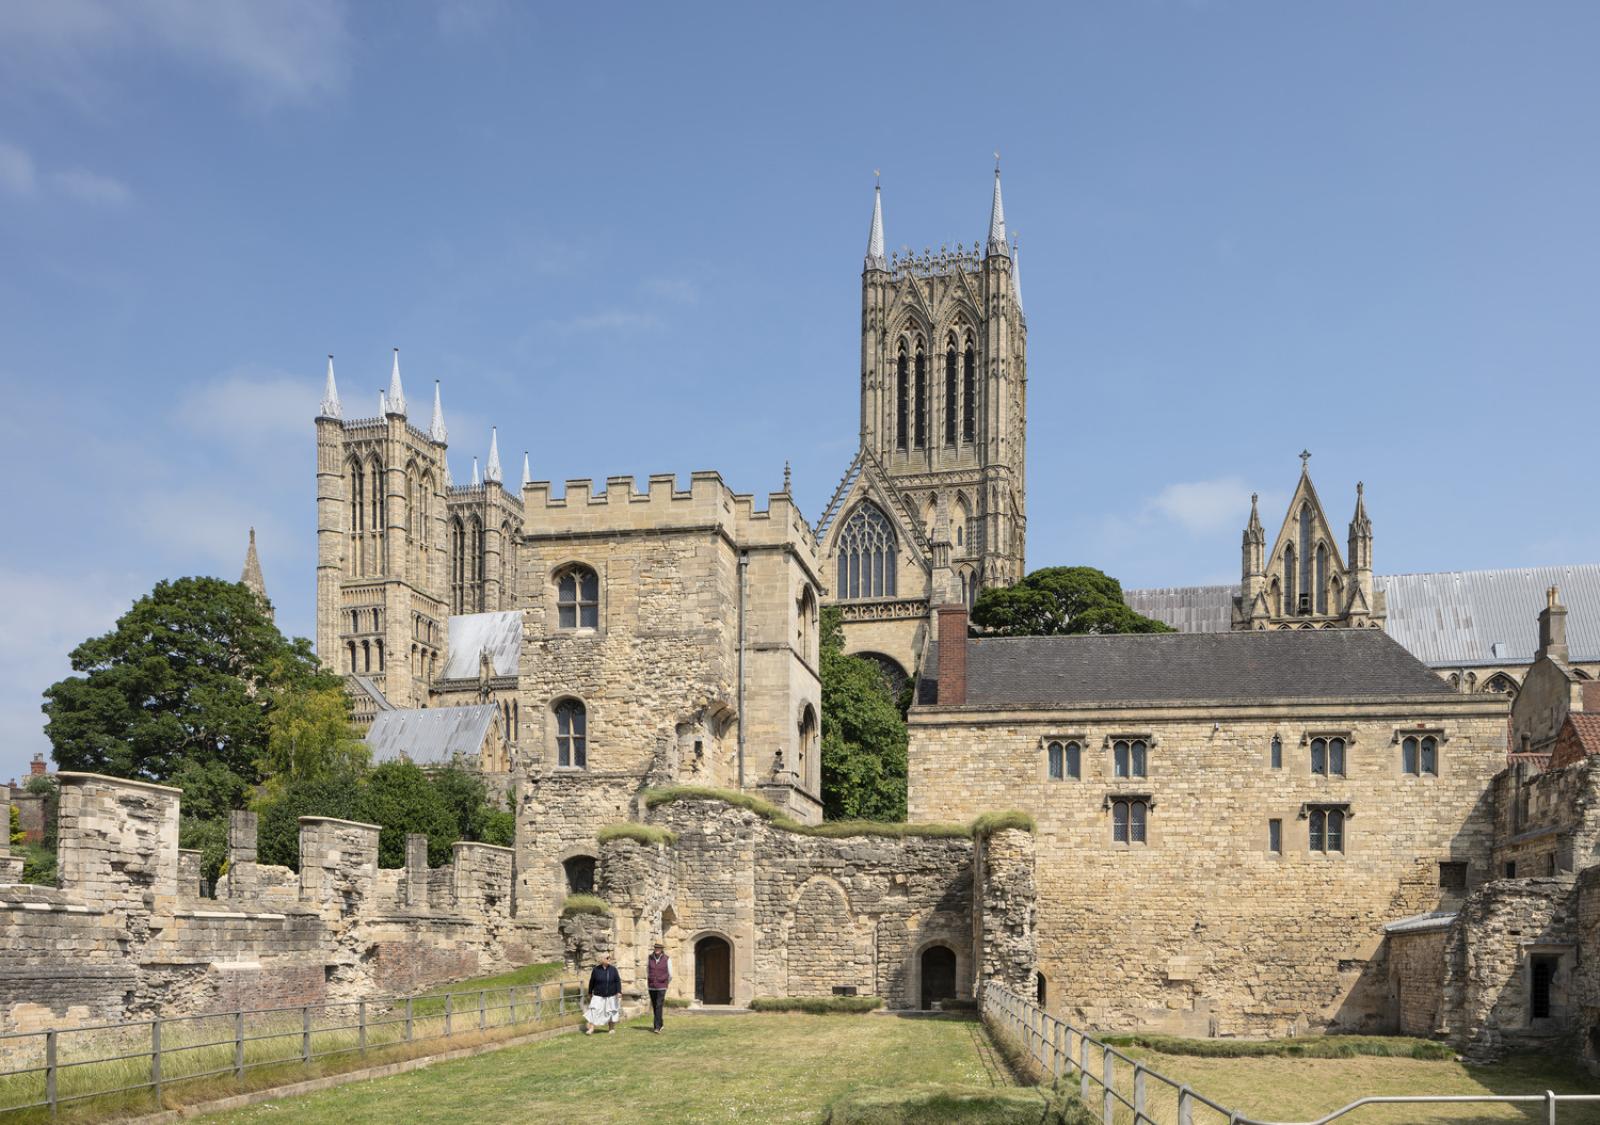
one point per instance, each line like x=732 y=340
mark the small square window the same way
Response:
x=1511 y=869
x=1453 y=876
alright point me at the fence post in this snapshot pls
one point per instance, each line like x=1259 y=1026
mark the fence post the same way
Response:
x=562 y=999
x=1108 y=1060
x=481 y=1011
x=538 y=1002
x=511 y=993
x=1185 y=1107
x=1083 y=1069
x=305 y=1034
x=362 y=1024
x=408 y=1019
x=238 y=1045
x=447 y=998
x=1138 y=1094
x=1550 y=1106
x=50 y=1070
x=155 y=1058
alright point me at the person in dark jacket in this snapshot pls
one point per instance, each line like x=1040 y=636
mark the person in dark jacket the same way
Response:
x=605 y=997
x=658 y=974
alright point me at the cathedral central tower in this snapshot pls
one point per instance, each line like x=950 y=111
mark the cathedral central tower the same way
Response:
x=933 y=508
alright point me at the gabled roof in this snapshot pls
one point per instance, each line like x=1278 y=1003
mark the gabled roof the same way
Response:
x=1152 y=668
x=499 y=634
x=431 y=736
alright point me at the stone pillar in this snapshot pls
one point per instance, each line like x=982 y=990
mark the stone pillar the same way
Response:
x=338 y=863
x=243 y=878
x=416 y=870
x=1003 y=902
x=10 y=865
x=189 y=872
x=118 y=842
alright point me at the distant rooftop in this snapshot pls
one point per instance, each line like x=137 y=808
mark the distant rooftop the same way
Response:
x=1446 y=618
x=431 y=736
x=499 y=634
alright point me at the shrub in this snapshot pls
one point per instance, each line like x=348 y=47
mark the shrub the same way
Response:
x=585 y=904
x=638 y=833
x=817 y=1005
x=834 y=829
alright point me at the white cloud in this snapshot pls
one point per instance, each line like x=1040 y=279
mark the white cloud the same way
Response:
x=90 y=187
x=252 y=405
x=282 y=51
x=1203 y=506
x=16 y=169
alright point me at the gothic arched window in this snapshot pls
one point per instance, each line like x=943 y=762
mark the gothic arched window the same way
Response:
x=578 y=598
x=952 y=397
x=969 y=394
x=900 y=399
x=867 y=554
x=1303 y=606
x=1289 y=576
x=572 y=735
x=1322 y=578
x=458 y=566
x=920 y=435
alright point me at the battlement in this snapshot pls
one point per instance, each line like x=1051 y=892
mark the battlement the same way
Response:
x=663 y=507
x=906 y=262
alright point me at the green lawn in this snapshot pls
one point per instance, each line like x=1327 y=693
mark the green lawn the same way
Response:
x=704 y=1068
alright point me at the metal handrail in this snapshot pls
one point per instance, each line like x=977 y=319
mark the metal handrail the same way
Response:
x=523 y=1003
x=1049 y=1041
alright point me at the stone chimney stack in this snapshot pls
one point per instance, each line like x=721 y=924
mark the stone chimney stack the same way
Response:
x=1552 y=628
x=37 y=768
x=952 y=655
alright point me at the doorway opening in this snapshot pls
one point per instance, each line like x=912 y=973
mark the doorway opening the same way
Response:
x=713 y=971
x=938 y=975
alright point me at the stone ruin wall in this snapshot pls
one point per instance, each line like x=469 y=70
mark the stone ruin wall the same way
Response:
x=128 y=935
x=806 y=914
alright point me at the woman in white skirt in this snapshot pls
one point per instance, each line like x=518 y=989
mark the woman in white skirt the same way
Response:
x=605 y=997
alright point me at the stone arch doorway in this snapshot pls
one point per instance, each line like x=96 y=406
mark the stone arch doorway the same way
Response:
x=938 y=975
x=713 y=970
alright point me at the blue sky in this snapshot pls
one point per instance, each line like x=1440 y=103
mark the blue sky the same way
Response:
x=631 y=237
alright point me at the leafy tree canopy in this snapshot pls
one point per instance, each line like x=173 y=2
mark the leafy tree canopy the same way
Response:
x=189 y=674
x=863 y=735
x=1058 y=600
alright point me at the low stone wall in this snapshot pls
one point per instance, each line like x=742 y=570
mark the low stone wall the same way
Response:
x=126 y=934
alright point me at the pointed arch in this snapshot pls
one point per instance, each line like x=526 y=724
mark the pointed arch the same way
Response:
x=508 y=569
x=952 y=390
x=867 y=553
x=901 y=395
x=961 y=517
x=1322 y=578
x=969 y=391
x=919 y=422
x=1290 y=573
x=458 y=565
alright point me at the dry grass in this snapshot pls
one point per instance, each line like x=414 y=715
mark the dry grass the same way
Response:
x=704 y=1069
x=839 y=829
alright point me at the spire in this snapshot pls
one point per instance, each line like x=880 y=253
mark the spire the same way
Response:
x=1254 y=527
x=448 y=483
x=330 y=395
x=1016 y=271
x=475 y=480
x=436 y=428
x=397 y=395
x=251 y=577
x=875 y=259
x=527 y=473
x=788 y=479
x=491 y=471
x=1359 y=521
x=997 y=216
x=383 y=404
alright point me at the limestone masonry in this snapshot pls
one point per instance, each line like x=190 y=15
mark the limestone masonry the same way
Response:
x=1289 y=818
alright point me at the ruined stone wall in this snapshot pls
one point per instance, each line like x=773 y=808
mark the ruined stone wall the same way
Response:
x=1556 y=829
x=1584 y=1002
x=123 y=938
x=1203 y=930
x=1416 y=980
x=805 y=915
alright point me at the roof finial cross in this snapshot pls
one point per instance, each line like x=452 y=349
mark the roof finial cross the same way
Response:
x=1305 y=460
x=997 y=162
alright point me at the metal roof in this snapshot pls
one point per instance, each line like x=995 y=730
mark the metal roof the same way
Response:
x=499 y=634
x=1446 y=618
x=1421 y=923
x=1144 y=668
x=431 y=736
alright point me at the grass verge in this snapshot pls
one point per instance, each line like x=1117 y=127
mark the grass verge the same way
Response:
x=969 y=1105
x=817 y=1005
x=989 y=822
x=1305 y=1047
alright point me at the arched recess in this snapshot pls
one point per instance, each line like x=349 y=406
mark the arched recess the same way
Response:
x=579 y=870
x=894 y=675
x=806 y=742
x=961 y=523
x=937 y=966
x=713 y=967
x=825 y=948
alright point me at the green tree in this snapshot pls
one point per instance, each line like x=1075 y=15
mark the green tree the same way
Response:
x=309 y=735
x=189 y=674
x=14 y=831
x=467 y=797
x=278 y=826
x=1058 y=600
x=863 y=735
x=400 y=798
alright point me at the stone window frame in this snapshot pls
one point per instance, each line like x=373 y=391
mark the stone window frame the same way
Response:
x=554 y=599
x=1111 y=740
x=1064 y=740
x=1419 y=731
x=1347 y=811
x=1311 y=734
x=738 y=963
x=1275 y=751
x=552 y=746
x=1147 y=799
x=1275 y=823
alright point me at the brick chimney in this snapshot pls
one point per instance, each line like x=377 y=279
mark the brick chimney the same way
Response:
x=952 y=655
x=1552 y=629
x=36 y=768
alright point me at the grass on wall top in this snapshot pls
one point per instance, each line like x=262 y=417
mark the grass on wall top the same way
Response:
x=585 y=904
x=834 y=829
x=638 y=833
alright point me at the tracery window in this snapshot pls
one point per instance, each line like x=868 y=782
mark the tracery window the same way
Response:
x=1128 y=757
x=1129 y=820
x=1327 y=757
x=458 y=566
x=572 y=735
x=952 y=398
x=1322 y=578
x=921 y=421
x=1304 y=604
x=1327 y=829
x=969 y=397
x=867 y=554
x=1289 y=576
x=578 y=598
x=900 y=399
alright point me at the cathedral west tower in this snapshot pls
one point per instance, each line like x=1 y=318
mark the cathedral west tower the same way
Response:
x=933 y=507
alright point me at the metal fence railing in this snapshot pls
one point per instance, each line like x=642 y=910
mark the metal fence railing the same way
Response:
x=46 y=1070
x=1124 y=1091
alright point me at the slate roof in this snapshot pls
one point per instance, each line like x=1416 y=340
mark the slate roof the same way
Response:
x=1449 y=618
x=431 y=736
x=1186 y=667
x=499 y=633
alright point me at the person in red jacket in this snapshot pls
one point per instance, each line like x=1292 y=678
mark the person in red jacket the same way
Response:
x=658 y=974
